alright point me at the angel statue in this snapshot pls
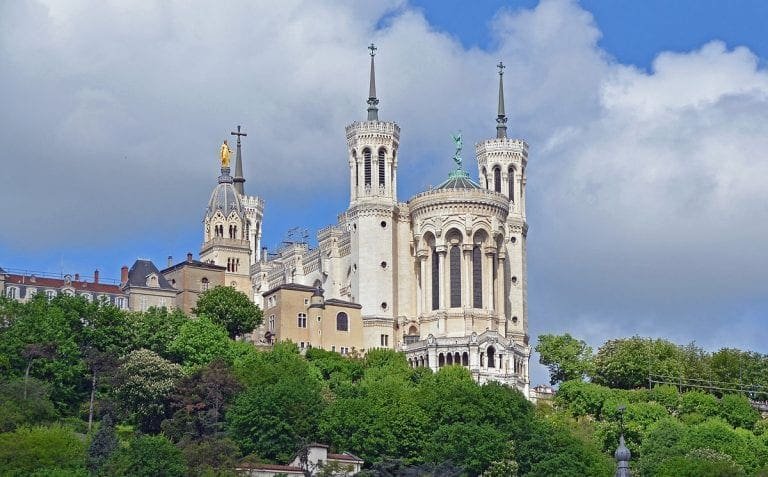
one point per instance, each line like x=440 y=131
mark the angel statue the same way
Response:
x=458 y=143
x=224 y=153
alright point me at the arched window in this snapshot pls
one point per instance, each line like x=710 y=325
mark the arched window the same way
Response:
x=497 y=179
x=477 y=277
x=449 y=359
x=435 y=280
x=511 y=181
x=342 y=322
x=367 y=166
x=441 y=360
x=465 y=359
x=204 y=284
x=491 y=357
x=382 y=154
x=455 y=277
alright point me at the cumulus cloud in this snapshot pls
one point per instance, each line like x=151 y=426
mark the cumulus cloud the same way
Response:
x=647 y=202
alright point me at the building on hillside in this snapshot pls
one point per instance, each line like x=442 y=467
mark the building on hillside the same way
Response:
x=24 y=285
x=146 y=287
x=302 y=315
x=441 y=276
x=191 y=278
x=313 y=461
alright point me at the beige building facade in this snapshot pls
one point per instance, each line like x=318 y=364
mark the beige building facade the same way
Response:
x=191 y=278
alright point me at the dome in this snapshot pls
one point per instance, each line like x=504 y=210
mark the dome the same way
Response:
x=459 y=179
x=224 y=198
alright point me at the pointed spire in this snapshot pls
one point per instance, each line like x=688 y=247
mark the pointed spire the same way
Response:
x=501 y=118
x=239 y=180
x=622 y=456
x=373 y=110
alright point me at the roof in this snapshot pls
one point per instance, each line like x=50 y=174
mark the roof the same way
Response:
x=287 y=468
x=194 y=263
x=141 y=269
x=459 y=179
x=78 y=285
x=224 y=198
x=349 y=304
x=289 y=286
x=345 y=456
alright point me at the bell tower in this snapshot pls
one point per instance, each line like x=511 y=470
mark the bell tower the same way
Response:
x=372 y=218
x=501 y=166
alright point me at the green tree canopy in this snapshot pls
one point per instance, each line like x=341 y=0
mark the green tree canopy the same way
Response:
x=199 y=342
x=566 y=357
x=230 y=308
x=42 y=450
x=147 y=456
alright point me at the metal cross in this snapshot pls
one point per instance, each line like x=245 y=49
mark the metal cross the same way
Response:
x=238 y=134
x=501 y=67
x=373 y=49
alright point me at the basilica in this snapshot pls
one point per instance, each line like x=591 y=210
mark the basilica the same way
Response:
x=440 y=276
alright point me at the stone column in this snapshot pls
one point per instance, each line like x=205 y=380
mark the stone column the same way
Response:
x=467 y=282
x=353 y=181
x=441 y=270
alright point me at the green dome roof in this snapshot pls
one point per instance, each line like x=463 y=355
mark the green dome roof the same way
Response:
x=459 y=179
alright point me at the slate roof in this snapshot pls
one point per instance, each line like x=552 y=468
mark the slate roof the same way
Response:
x=141 y=269
x=225 y=199
x=195 y=263
x=78 y=285
x=459 y=179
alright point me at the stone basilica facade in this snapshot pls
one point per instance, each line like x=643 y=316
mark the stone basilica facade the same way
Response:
x=441 y=276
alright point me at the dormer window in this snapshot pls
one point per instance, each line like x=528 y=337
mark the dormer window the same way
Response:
x=152 y=280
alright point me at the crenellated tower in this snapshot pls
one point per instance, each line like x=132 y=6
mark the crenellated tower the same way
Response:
x=371 y=218
x=501 y=166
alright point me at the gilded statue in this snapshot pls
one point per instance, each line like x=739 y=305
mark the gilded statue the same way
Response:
x=224 y=154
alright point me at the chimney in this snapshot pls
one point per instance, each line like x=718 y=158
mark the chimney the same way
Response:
x=77 y=277
x=189 y=256
x=96 y=276
x=123 y=276
x=170 y=261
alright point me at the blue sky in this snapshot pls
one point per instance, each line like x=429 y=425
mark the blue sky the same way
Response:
x=648 y=126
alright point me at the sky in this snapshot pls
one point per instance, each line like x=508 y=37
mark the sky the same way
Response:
x=647 y=123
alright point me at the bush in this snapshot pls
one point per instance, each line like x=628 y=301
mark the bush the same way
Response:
x=147 y=456
x=41 y=449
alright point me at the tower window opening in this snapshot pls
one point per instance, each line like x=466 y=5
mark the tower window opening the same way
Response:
x=367 y=166
x=477 y=277
x=382 y=168
x=497 y=179
x=455 y=276
x=511 y=183
x=491 y=357
x=435 y=280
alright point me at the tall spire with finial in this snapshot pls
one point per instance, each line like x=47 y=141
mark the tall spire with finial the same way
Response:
x=501 y=118
x=239 y=180
x=373 y=110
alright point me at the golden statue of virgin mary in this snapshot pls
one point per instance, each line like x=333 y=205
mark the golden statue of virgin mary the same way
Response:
x=224 y=154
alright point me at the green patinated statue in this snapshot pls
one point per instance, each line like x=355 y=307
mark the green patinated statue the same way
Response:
x=459 y=144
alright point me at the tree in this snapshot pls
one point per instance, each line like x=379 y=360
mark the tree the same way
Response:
x=41 y=450
x=147 y=456
x=16 y=410
x=199 y=402
x=199 y=342
x=103 y=444
x=625 y=363
x=506 y=466
x=566 y=357
x=143 y=383
x=230 y=308
x=156 y=328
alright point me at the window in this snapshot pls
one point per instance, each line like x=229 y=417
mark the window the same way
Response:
x=143 y=302
x=497 y=179
x=455 y=276
x=11 y=292
x=162 y=303
x=87 y=296
x=342 y=322
x=491 y=357
x=382 y=166
x=384 y=340
x=367 y=166
x=435 y=280
x=357 y=168
x=477 y=277
x=271 y=322
x=204 y=284
x=344 y=350
x=511 y=185
x=31 y=291
x=301 y=345
x=120 y=302
x=306 y=301
x=301 y=320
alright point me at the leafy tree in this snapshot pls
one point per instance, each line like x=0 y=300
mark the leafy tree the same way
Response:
x=16 y=410
x=582 y=398
x=566 y=357
x=43 y=450
x=506 y=466
x=738 y=411
x=700 y=463
x=625 y=363
x=143 y=383
x=199 y=342
x=156 y=328
x=230 y=308
x=103 y=444
x=210 y=456
x=147 y=456
x=199 y=402
x=470 y=446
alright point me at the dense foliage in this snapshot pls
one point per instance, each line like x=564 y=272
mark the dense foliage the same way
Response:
x=187 y=399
